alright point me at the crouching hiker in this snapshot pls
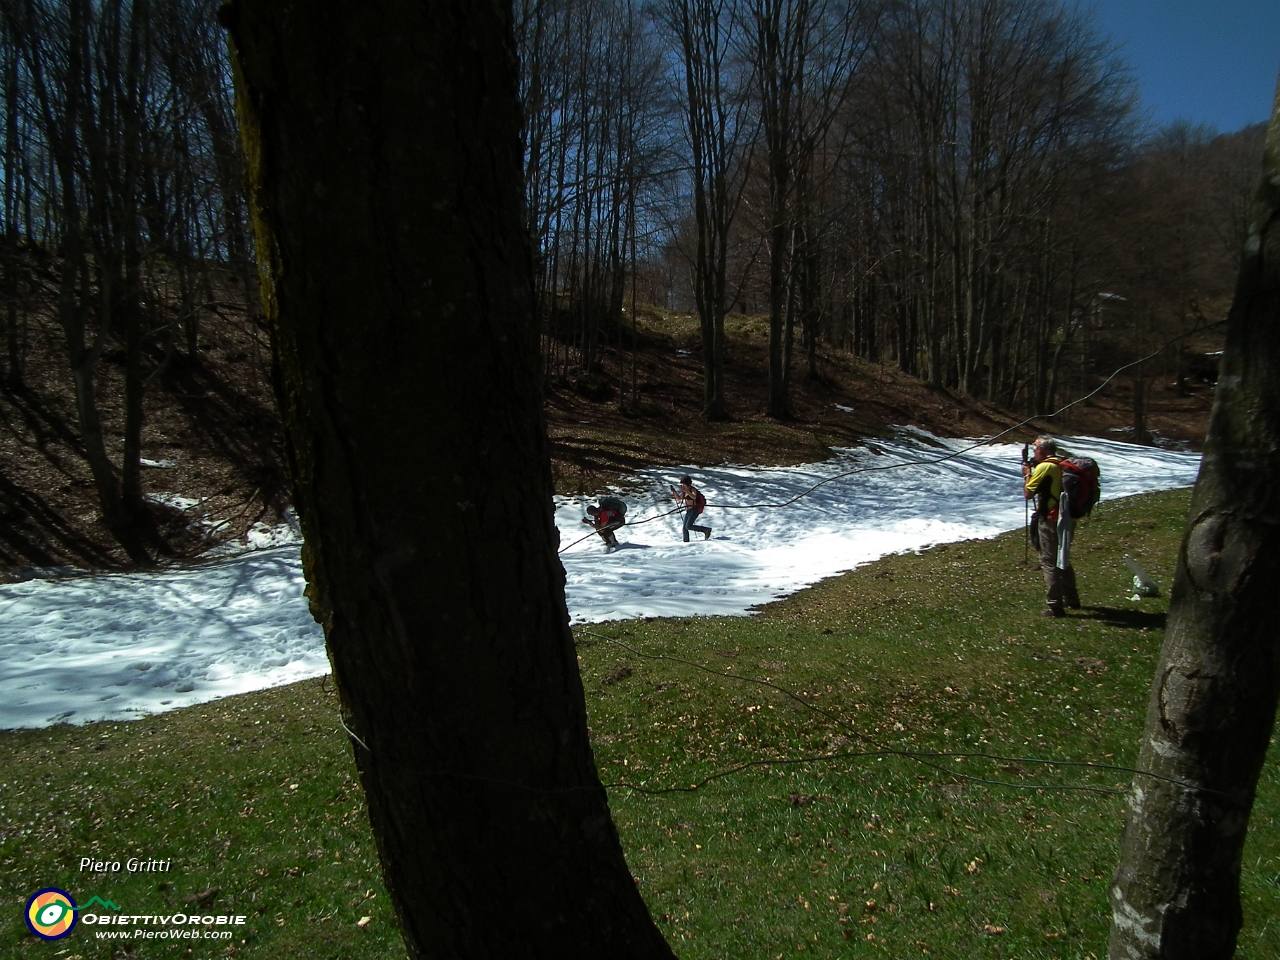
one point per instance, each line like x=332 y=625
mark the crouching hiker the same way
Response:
x=606 y=518
x=1049 y=530
x=694 y=504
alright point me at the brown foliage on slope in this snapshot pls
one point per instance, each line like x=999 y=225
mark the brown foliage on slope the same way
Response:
x=213 y=433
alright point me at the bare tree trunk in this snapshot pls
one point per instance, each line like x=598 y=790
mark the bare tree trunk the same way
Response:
x=73 y=301
x=11 y=255
x=13 y=375
x=778 y=402
x=1176 y=892
x=704 y=31
x=1139 y=387
x=397 y=279
x=128 y=225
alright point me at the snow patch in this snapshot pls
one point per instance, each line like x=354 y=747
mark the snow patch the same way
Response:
x=114 y=646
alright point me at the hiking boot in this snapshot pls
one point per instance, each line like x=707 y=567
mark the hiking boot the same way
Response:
x=1053 y=612
x=706 y=535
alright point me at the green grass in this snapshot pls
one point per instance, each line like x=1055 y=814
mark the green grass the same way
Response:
x=252 y=795
x=874 y=855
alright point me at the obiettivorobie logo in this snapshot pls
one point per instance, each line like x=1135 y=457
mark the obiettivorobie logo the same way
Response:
x=51 y=913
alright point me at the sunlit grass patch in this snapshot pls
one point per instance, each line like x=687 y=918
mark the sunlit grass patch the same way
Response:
x=886 y=845
x=853 y=817
x=253 y=799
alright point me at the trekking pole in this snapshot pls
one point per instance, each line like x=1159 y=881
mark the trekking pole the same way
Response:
x=1026 y=515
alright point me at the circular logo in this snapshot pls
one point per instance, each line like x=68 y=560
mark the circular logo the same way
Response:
x=51 y=913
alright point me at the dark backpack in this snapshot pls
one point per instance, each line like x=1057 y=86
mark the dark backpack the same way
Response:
x=613 y=503
x=700 y=502
x=1081 y=484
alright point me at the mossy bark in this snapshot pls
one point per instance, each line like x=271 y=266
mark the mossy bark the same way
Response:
x=384 y=167
x=1176 y=892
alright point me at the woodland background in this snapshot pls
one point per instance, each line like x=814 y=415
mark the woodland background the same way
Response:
x=741 y=212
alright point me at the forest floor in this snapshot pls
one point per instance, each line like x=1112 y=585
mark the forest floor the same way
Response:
x=213 y=466
x=849 y=400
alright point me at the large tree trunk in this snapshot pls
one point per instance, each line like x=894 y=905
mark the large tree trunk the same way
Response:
x=1176 y=892
x=383 y=151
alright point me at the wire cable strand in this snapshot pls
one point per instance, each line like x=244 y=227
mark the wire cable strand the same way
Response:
x=919 y=756
x=985 y=442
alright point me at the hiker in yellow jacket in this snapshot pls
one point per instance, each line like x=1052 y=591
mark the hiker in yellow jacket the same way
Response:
x=1043 y=481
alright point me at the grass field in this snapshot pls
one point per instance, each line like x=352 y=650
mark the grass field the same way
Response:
x=878 y=847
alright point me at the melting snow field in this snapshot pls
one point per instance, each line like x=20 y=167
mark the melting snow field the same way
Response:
x=124 y=645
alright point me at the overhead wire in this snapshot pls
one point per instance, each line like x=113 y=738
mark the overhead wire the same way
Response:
x=986 y=441
x=637 y=523
x=925 y=758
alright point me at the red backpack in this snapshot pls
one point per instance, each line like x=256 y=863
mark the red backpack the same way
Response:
x=616 y=507
x=1081 y=484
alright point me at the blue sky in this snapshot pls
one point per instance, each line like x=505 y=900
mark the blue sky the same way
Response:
x=1207 y=61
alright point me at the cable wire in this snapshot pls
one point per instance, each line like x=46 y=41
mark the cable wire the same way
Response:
x=986 y=441
x=922 y=757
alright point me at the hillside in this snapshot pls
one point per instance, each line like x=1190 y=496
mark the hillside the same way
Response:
x=211 y=440
x=593 y=441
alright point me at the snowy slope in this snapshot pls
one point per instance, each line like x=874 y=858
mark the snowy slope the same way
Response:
x=123 y=645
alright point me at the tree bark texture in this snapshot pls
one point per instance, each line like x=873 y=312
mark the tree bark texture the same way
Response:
x=384 y=166
x=1176 y=892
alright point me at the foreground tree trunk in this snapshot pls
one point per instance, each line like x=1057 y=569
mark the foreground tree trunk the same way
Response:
x=1176 y=892
x=384 y=162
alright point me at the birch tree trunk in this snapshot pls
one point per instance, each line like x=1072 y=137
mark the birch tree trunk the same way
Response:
x=1176 y=892
x=382 y=145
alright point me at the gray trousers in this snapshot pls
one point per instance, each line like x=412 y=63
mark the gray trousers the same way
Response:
x=1059 y=585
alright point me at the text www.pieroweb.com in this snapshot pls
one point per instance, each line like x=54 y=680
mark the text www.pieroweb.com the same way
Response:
x=177 y=926
x=175 y=934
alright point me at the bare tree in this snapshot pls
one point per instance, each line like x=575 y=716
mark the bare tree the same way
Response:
x=15 y=184
x=805 y=54
x=980 y=130
x=590 y=72
x=120 y=174
x=1176 y=891
x=779 y=44
x=83 y=74
x=717 y=122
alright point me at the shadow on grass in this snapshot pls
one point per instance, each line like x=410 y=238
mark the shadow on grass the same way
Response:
x=1125 y=619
